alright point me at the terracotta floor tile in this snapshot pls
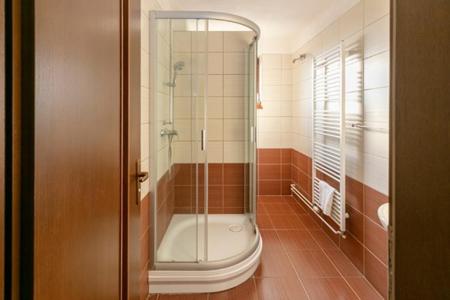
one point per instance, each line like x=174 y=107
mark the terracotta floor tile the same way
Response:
x=363 y=288
x=288 y=288
x=287 y=221
x=264 y=222
x=270 y=199
x=343 y=263
x=328 y=289
x=323 y=240
x=278 y=208
x=309 y=222
x=312 y=264
x=298 y=209
x=274 y=263
x=246 y=290
x=297 y=240
x=270 y=240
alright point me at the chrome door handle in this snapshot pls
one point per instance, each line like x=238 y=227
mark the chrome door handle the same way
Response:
x=203 y=139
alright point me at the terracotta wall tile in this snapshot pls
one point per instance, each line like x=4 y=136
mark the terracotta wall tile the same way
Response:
x=376 y=240
x=285 y=187
x=354 y=250
x=286 y=172
x=183 y=174
x=355 y=224
x=372 y=200
x=376 y=273
x=215 y=196
x=215 y=174
x=233 y=174
x=269 y=172
x=269 y=156
x=286 y=156
x=183 y=196
x=269 y=187
x=354 y=193
x=233 y=196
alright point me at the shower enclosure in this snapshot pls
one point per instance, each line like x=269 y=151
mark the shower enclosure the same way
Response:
x=203 y=151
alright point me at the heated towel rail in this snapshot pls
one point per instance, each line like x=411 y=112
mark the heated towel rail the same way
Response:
x=328 y=131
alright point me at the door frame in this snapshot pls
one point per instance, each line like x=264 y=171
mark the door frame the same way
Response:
x=17 y=149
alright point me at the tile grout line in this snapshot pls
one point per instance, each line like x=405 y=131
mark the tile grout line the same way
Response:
x=293 y=267
x=338 y=248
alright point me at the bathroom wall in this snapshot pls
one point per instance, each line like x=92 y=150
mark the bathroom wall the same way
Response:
x=365 y=30
x=223 y=56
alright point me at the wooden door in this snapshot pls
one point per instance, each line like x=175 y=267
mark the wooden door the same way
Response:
x=420 y=149
x=2 y=146
x=78 y=149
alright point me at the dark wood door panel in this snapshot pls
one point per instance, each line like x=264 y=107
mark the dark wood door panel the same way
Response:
x=77 y=149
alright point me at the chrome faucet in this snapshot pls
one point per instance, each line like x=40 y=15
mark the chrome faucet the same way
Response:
x=168 y=132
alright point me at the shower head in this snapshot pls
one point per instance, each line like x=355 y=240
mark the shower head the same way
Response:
x=178 y=66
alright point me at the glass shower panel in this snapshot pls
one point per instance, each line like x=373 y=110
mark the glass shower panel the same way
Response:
x=251 y=141
x=179 y=122
x=199 y=45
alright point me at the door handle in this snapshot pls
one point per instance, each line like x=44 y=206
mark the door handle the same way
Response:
x=203 y=139
x=142 y=176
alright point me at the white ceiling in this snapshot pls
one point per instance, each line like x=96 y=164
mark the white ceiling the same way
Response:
x=285 y=24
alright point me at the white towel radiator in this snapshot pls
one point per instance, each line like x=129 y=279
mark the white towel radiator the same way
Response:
x=328 y=130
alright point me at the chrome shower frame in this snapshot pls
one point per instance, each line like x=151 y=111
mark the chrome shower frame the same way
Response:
x=193 y=15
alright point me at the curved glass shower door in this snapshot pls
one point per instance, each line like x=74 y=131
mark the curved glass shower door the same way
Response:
x=203 y=141
x=179 y=162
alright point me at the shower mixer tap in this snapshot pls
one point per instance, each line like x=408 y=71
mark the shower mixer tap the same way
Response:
x=168 y=132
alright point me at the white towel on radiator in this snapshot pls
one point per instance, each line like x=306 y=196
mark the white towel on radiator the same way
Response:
x=326 y=193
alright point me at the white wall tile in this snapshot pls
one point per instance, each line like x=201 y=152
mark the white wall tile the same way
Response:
x=234 y=107
x=271 y=77
x=182 y=152
x=182 y=107
x=237 y=41
x=234 y=85
x=198 y=64
x=183 y=127
x=352 y=21
x=215 y=129
x=375 y=9
x=215 y=107
x=234 y=152
x=376 y=173
x=269 y=124
x=235 y=63
x=183 y=86
x=215 y=41
x=187 y=59
x=234 y=130
x=215 y=63
x=376 y=37
x=376 y=71
x=271 y=61
x=181 y=41
x=215 y=85
x=199 y=41
x=215 y=151
x=271 y=93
